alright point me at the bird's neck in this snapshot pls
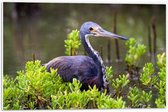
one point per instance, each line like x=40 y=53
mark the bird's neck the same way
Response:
x=96 y=58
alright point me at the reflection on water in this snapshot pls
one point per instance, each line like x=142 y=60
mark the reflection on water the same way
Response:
x=42 y=28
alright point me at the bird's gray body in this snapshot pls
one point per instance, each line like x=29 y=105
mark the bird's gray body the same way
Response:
x=82 y=68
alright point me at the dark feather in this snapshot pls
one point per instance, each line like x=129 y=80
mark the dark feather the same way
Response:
x=81 y=67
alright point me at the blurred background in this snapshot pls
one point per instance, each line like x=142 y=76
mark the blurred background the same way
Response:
x=41 y=28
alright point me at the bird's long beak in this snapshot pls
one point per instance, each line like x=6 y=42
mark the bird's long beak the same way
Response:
x=104 y=33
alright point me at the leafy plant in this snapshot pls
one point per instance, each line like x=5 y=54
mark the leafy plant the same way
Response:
x=139 y=98
x=109 y=73
x=145 y=98
x=161 y=62
x=32 y=87
x=106 y=102
x=10 y=94
x=161 y=84
x=35 y=88
x=119 y=83
x=146 y=76
x=67 y=100
x=134 y=96
x=72 y=43
x=135 y=51
x=75 y=85
x=160 y=103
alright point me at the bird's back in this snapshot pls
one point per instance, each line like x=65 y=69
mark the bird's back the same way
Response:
x=81 y=67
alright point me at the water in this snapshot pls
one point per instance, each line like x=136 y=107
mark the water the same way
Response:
x=41 y=29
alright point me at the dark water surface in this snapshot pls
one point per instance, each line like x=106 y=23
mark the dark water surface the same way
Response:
x=42 y=28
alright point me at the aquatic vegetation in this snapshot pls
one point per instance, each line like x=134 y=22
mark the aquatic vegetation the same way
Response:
x=70 y=100
x=34 y=85
x=161 y=60
x=133 y=58
x=146 y=76
x=135 y=52
x=133 y=96
x=72 y=43
x=109 y=73
x=146 y=98
x=119 y=83
x=106 y=102
x=139 y=98
x=161 y=84
x=35 y=88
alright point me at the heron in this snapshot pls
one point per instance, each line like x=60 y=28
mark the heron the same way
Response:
x=89 y=70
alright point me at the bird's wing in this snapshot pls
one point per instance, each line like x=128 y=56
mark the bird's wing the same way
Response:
x=70 y=67
x=62 y=65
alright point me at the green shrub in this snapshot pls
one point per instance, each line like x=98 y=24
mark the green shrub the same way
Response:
x=32 y=87
x=119 y=83
x=145 y=98
x=161 y=60
x=72 y=43
x=135 y=52
x=147 y=78
x=106 y=102
x=109 y=73
x=161 y=83
x=70 y=100
x=139 y=98
x=35 y=88
x=134 y=96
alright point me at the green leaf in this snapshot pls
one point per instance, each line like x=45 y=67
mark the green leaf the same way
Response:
x=72 y=43
x=146 y=75
x=135 y=52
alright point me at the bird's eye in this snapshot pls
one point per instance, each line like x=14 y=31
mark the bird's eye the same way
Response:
x=90 y=28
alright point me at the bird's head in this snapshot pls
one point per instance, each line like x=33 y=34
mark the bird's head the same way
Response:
x=93 y=29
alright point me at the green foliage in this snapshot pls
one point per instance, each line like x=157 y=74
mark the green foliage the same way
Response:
x=146 y=76
x=162 y=74
x=135 y=51
x=36 y=80
x=72 y=43
x=120 y=83
x=139 y=98
x=75 y=85
x=70 y=100
x=106 y=102
x=109 y=73
x=35 y=88
x=134 y=96
x=78 y=100
x=145 y=98
x=10 y=94
x=160 y=103
x=161 y=84
x=161 y=62
x=34 y=85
